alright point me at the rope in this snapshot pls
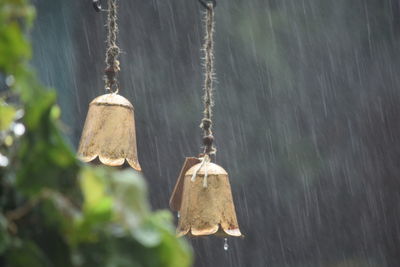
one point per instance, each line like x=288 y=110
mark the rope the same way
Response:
x=204 y=161
x=208 y=99
x=113 y=51
x=208 y=48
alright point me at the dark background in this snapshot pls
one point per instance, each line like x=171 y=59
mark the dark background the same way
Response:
x=306 y=116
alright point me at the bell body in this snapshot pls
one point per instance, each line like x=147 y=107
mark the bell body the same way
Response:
x=109 y=134
x=207 y=210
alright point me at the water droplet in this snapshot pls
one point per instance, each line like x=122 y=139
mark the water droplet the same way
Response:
x=3 y=161
x=226 y=246
x=19 y=129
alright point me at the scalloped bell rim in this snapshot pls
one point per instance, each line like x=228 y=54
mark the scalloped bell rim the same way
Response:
x=217 y=229
x=110 y=162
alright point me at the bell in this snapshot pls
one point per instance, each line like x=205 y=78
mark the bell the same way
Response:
x=204 y=200
x=109 y=134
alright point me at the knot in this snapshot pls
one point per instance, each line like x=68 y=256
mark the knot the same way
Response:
x=208 y=140
x=112 y=69
x=206 y=124
x=112 y=86
x=113 y=51
x=210 y=150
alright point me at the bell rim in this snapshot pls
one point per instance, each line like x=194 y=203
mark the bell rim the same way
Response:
x=215 y=230
x=111 y=163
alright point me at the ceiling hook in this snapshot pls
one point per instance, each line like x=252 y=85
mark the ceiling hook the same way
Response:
x=205 y=3
x=97 y=6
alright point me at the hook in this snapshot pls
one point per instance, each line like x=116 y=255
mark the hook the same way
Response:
x=206 y=2
x=97 y=5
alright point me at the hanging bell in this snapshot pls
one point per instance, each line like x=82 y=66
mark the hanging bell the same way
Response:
x=205 y=201
x=109 y=134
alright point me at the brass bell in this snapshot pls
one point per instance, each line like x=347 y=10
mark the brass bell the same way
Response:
x=204 y=200
x=109 y=134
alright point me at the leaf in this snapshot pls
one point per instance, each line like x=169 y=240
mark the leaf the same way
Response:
x=172 y=251
x=13 y=46
x=7 y=114
x=44 y=157
x=26 y=254
x=96 y=200
x=129 y=192
x=148 y=235
x=38 y=112
x=4 y=237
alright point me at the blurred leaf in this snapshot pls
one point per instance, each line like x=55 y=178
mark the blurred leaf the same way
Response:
x=13 y=46
x=46 y=160
x=38 y=112
x=96 y=201
x=7 y=114
x=4 y=238
x=130 y=193
x=173 y=251
x=147 y=235
x=26 y=254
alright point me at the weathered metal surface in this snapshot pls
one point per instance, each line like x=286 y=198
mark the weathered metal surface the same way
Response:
x=207 y=210
x=109 y=133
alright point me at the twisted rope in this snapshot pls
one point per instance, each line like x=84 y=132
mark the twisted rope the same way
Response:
x=113 y=51
x=208 y=99
x=208 y=48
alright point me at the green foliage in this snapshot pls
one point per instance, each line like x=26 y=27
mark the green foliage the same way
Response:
x=7 y=114
x=54 y=211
